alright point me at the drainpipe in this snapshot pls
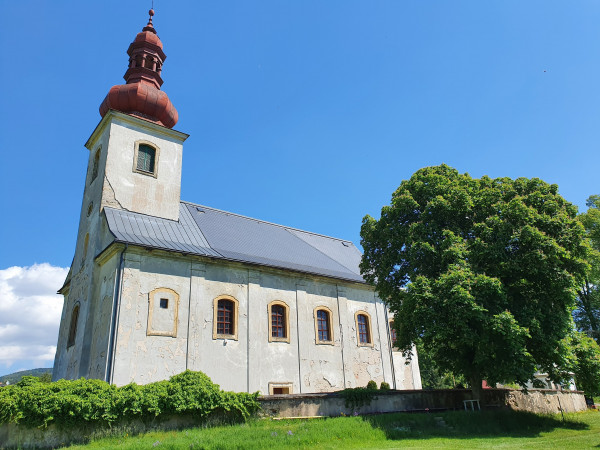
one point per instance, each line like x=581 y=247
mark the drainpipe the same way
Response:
x=337 y=288
x=110 y=357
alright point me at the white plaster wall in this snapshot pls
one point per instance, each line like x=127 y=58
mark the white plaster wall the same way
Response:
x=224 y=361
x=271 y=362
x=139 y=357
x=322 y=368
x=118 y=186
x=250 y=362
x=124 y=188
x=101 y=321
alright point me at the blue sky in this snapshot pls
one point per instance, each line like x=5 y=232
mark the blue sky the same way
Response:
x=305 y=113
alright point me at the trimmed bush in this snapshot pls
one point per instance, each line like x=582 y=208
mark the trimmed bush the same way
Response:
x=85 y=402
x=371 y=385
x=384 y=386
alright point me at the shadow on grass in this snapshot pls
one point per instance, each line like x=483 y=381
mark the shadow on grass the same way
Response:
x=460 y=424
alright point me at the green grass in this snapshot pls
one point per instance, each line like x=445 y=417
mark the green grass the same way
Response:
x=456 y=430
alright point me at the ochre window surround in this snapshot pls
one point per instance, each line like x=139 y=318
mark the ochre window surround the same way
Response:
x=281 y=388
x=145 y=158
x=154 y=327
x=73 y=326
x=323 y=325
x=225 y=317
x=279 y=321
x=364 y=337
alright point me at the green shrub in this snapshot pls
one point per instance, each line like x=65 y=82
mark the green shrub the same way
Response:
x=82 y=402
x=357 y=397
x=384 y=386
x=371 y=385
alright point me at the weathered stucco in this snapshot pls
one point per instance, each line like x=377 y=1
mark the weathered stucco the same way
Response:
x=250 y=362
x=117 y=286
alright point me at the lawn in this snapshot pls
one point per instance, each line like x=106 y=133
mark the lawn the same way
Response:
x=451 y=429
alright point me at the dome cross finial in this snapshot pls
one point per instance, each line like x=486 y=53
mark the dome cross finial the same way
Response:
x=149 y=26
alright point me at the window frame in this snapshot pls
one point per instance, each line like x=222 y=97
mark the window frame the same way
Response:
x=72 y=336
x=330 y=325
x=393 y=336
x=369 y=325
x=283 y=385
x=286 y=324
x=233 y=336
x=156 y=158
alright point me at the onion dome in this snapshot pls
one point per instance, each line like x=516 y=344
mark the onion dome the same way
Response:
x=141 y=96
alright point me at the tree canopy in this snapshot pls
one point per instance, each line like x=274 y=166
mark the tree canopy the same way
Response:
x=587 y=313
x=484 y=272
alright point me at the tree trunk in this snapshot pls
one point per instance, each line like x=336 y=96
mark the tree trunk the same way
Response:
x=588 y=308
x=476 y=388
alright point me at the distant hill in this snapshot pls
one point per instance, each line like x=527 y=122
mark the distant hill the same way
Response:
x=16 y=377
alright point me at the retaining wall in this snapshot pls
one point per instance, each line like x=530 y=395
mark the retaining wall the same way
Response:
x=312 y=405
x=327 y=405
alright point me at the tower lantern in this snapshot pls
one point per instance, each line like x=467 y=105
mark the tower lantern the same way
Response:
x=141 y=95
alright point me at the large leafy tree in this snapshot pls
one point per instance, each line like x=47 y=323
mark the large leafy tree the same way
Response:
x=484 y=272
x=587 y=313
x=585 y=363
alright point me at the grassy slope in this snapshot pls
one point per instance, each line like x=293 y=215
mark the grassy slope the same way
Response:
x=16 y=376
x=458 y=429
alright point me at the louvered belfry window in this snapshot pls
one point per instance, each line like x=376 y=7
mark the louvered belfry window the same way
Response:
x=323 y=325
x=145 y=158
x=363 y=329
x=278 y=321
x=225 y=317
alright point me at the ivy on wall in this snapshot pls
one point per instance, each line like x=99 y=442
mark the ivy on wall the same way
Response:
x=73 y=403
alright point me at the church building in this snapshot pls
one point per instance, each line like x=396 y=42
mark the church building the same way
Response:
x=159 y=285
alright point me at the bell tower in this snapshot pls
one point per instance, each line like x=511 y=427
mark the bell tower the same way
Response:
x=135 y=165
x=134 y=150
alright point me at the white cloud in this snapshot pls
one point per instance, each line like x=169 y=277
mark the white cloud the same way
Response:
x=30 y=311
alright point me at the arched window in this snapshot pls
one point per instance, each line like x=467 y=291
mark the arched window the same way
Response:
x=323 y=325
x=392 y=334
x=363 y=328
x=95 y=165
x=279 y=324
x=73 y=326
x=225 y=317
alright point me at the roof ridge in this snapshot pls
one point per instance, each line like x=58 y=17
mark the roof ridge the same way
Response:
x=270 y=223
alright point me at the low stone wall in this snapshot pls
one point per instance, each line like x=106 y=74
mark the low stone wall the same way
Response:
x=313 y=405
x=16 y=436
x=331 y=405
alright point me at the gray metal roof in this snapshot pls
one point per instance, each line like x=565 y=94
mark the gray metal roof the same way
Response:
x=210 y=232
